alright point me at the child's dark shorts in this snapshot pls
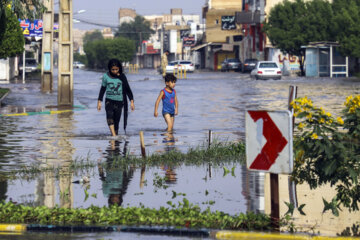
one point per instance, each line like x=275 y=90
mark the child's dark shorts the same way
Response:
x=171 y=114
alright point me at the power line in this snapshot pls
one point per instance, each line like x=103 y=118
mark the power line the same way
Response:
x=96 y=24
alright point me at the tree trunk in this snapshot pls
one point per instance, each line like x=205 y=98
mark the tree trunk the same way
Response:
x=301 y=61
x=357 y=65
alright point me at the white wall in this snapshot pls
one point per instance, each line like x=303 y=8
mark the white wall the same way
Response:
x=4 y=69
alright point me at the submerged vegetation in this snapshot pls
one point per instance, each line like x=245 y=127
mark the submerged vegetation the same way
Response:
x=218 y=155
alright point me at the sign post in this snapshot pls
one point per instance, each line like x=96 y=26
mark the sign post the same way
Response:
x=269 y=149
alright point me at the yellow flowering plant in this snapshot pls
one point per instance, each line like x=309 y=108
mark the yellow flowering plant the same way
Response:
x=327 y=150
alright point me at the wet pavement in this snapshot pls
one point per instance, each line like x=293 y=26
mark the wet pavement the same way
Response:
x=207 y=101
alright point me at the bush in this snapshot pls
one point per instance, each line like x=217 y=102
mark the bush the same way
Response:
x=327 y=150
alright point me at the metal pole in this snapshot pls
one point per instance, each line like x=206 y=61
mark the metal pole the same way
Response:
x=331 y=61
x=292 y=186
x=23 y=71
x=65 y=75
x=47 y=47
x=275 y=209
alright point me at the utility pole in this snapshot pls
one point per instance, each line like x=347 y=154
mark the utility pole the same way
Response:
x=65 y=75
x=47 y=47
x=162 y=40
x=140 y=43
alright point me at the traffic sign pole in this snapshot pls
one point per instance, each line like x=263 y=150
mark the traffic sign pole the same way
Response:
x=292 y=186
x=274 y=193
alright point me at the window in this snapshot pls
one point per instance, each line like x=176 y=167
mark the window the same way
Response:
x=268 y=65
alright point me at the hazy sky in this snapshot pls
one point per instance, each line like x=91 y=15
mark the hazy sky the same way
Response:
x=106 y=11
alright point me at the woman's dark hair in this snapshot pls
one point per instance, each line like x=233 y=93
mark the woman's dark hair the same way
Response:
x=114 y=62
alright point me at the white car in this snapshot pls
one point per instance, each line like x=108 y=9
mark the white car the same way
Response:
x=184 y=64
x=31 y=66
x=266 y=70
x=77 y=64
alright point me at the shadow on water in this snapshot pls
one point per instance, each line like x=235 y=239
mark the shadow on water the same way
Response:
x=215 y=101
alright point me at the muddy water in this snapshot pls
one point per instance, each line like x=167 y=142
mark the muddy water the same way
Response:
x=207 y=101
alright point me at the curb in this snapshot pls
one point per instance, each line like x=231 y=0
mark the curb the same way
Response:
x=75 y=108
x=20 y=228
x=271 y=236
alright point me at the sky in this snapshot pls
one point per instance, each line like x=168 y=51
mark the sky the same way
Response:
x=105 y=12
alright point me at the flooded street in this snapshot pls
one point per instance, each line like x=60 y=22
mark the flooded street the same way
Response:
x=207 y=101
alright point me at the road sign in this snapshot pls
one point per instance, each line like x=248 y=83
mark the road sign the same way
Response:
x=269 y=141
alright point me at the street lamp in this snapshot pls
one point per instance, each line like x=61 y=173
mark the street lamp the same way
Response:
x=78 y=12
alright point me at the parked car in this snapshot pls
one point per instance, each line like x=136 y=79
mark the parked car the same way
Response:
x=231 y=64
x=31 y=66
x=249 y=64
x=78 y=64
x=174 y=65
x=171 y=66
x=266 y=70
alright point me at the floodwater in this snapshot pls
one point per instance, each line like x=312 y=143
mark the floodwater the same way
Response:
x=207 y=101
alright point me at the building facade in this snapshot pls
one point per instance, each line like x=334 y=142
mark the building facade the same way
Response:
x=221 y=33
x=175 y=32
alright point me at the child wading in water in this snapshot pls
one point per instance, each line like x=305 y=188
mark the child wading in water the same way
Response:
x=170 y=102
x=117 y=89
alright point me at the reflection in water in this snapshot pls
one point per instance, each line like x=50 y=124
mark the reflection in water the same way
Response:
x=114 y=180
x=170 y=174
x=3 y=189
x=57 y=151
x=169 y=141
x=253 y=189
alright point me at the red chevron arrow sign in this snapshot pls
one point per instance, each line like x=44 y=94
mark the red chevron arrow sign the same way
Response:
x=269 y=141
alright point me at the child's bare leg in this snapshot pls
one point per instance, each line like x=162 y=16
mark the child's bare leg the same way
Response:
x=170 y=122
x=112 y=130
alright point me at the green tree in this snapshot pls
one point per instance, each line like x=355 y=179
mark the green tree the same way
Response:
x=92 y=36
x=292 y=25
x=138 y=30
x=11 y=36
x=99 y=52
x=347 y=26
x=24 y=9
x=80 y=58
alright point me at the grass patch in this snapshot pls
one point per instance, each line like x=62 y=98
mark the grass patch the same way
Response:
x=3 y=91
x=78 y=165
x=218 y=155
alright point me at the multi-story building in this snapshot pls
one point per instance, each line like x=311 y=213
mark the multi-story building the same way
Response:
x=175 y=32
x=255 y=44
x=221 y=32
x=107 y=33
x=126 y=15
